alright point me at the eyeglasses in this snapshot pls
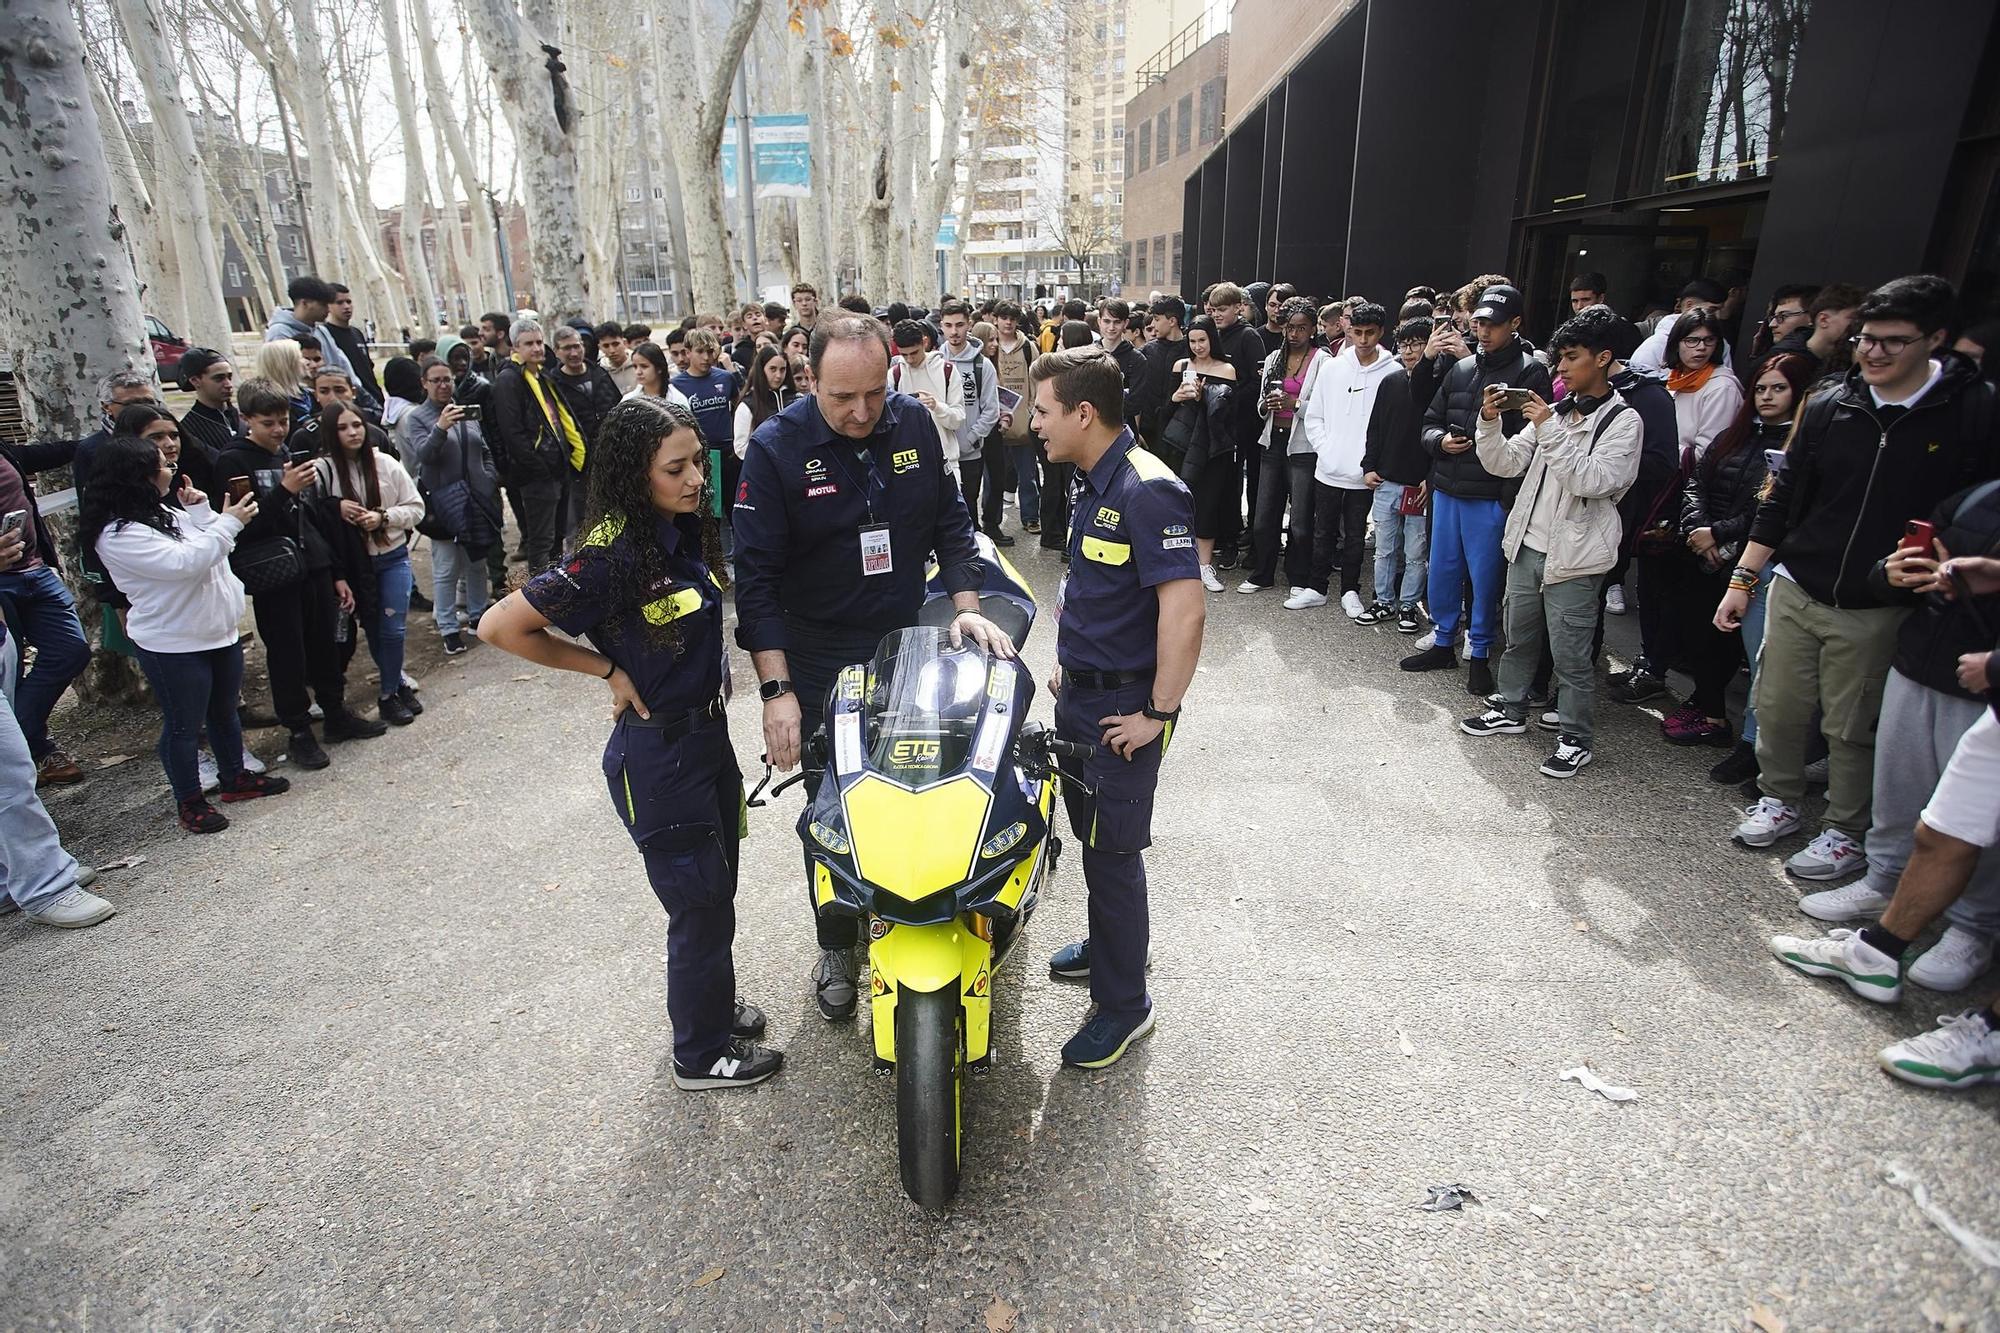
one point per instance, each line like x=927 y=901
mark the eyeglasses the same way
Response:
x=1894 y=345
x=1780 y=316
x=1698 y=342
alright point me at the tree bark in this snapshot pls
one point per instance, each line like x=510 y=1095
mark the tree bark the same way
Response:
x=489 y=291
x=307 y=77
x=699 y=102
x=416 y=267
x=544 y=150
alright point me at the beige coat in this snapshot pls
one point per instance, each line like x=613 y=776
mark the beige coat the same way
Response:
x=1590 y=477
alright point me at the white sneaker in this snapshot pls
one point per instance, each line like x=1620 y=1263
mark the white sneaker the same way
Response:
x=1426 y=641
x=1868 y=972
x=1208 y=579
x=315 y=712
x=204 y=763
x=1350 y=602
x=1816 y=772
x=1954 y=962
x=1766 y=822
x=410 y=682
x=1614 y=599
x=73 y=909
x=1961 y=1052
x=1251 y=585
x=1850 y=902
x=1304 y=599
x=1832 y=855
x=251 y=763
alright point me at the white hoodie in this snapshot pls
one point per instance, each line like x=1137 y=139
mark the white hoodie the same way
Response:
x=1334 y=419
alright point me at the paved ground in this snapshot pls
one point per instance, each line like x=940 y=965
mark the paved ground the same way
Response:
x=391 y=1053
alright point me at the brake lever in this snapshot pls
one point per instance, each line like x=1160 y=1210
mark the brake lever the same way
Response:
x=756 y=800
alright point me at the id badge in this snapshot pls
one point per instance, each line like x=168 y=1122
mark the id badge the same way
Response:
x=875 y=554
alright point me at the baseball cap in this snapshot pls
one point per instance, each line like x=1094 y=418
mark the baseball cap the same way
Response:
x=1498 y=304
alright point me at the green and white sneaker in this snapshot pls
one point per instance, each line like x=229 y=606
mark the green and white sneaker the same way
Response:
x=1960 y=1052
x=1868 y=972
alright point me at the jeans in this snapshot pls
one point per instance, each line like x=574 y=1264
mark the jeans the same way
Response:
x=1340 y=526
x=34 y=868
x=539 y=513
x=1567 y=613
x=386 y=628
x=196 y=690
x=1282 y=481
x=1399 y=539
x=42 y=615
x=1465 y=541
x=296 y=625
x=1753 y=643
x=1920 y=729
x=452 y=570
x=1023 y=465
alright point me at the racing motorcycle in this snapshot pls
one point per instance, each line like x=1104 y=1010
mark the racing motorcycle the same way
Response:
x=932 y=826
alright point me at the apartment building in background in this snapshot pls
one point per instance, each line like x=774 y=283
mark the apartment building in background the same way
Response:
x=1178 y=110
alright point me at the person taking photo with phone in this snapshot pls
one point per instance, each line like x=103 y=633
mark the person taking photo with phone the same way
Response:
x=443 y=442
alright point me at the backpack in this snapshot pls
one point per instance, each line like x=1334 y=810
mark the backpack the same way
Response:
x=896 y=376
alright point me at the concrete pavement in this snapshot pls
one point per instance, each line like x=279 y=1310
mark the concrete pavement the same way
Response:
x=391 y=1052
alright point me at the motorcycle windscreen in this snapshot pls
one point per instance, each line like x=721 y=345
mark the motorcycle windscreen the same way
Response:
x=924 y=706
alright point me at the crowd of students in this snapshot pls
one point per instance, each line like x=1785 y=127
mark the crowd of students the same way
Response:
x=1823 y=515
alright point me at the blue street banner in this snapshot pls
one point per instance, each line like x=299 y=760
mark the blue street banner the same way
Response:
x=780 y=153
x=947 y=232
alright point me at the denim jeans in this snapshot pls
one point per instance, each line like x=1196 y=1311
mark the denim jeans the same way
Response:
x=1566 y=613
x=1753 y=643
x=1283 y=479
x=42 y=615
x=1399 y=539
x=1026 y=475
x=196 y=690
x=393 y=581
x=34 y=868
x=453 y=570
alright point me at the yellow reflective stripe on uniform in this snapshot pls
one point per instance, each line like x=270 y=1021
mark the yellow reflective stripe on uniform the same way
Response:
x=1166 y=737
x=631 y=808
x=1092 y=839
x=1148 y=466
x=1104 y=552
x=606 y=532
x=672 y=607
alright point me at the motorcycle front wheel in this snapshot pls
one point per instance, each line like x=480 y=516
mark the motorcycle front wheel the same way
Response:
x=930 y=1080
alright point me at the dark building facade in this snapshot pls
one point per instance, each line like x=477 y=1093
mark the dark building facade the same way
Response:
x=1759 y=142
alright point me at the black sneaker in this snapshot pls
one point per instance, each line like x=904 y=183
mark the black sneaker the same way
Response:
x=454 y=644
x=1031 y=527
x=1478 y=677
x=1638 y=687
x=742 y=1064
x=1375 y=614
x=303 y=749
x=1408 y=621
x=419 y=602
x=394 y=711
x=833 y=984
x=1071 y=962
x=1000 y=538
x=1739 y=765
x=347 y=725
x=1568 y=758
x=1227 y=560
x=748 y=1023
x=410 y=701
x=1493 y=722
x=1435 y=658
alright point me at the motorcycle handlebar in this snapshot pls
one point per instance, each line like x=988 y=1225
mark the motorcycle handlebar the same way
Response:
x=1071 y=749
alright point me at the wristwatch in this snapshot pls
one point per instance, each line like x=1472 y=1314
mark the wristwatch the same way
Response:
x=1159 y=716
x=773 y=689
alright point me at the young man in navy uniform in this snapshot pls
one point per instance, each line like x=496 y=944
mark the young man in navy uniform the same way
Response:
x=844 y=498
x=1129 y=623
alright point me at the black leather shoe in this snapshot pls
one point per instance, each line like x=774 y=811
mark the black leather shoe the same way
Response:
x=409 y=700
x=304 y=751
x=393 y=711
x=1001 y=539
x=347 y=726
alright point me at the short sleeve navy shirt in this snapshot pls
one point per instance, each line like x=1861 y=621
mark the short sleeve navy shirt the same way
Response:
x=1131 y=528
x=585 y=595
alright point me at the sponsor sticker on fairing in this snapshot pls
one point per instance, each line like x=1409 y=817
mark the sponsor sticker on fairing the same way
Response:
x=847 y=742
x=992 y=743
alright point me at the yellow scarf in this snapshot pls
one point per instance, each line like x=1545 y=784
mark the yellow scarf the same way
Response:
x=559 y=420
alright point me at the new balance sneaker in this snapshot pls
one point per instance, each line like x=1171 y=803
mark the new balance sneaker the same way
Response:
x=1071 y=962
x=1843 y=954
x=1251 y=585
x=742 y=1064
x=1766 y=822
x=1859 y=901
x=1407 y=621
x=833 y=984
x=1493 y=722
x=1209 y=580
x=747 y=1022
x=1103 y=1039
x=1569 y=759
x=72 y=909
x=1832 y=855
x=1304 y=599
x=1638 y=687
x=1350 y=602
x=1373 y=614
x=1434 y=658
x=1962 y=1051
x=1614 y=599
x=1478 y=677
x=1957 y=960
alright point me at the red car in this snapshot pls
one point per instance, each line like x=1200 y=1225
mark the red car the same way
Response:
x=167 y=351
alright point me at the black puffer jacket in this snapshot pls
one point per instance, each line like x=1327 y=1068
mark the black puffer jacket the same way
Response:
x=1455 y=409
x=1930 y=642
x=514 y=420
x=1723 y=493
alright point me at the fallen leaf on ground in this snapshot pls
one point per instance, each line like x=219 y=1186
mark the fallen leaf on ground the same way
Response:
x=1582 y=924
x=1000 y=1317
x=113 y=760
x=530 y=677
x=460 y=805
x=1541 y=1213
x=1585 y=1075
x=1782 y=1023
x=1403 y=1041
x=550 y=888
x=706 y=1278
x=122 y=863
x=1764 y=1317
x=1349 y=927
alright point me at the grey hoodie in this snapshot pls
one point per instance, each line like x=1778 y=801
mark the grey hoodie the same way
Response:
x=982 y=395
x=285 y=324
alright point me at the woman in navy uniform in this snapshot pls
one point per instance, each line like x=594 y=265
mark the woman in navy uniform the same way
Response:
x=638 y=587
x=1130 y=619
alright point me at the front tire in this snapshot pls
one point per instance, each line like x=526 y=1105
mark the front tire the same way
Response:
x=930 y=1081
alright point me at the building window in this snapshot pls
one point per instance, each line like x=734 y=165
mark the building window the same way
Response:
x=1097 y=135
x=1118 y=134
x=1162 y=124
x=1125 y=262
x=1186 y=127
x=1211 y=111
x=1177 y=259
x=1139 y=276
x=1146 y=147
x=1097 y=166
x=1117 y=166
x=1722 y=101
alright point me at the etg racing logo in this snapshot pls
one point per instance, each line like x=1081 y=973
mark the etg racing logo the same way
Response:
x=904 y=460
x=1107 y=518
